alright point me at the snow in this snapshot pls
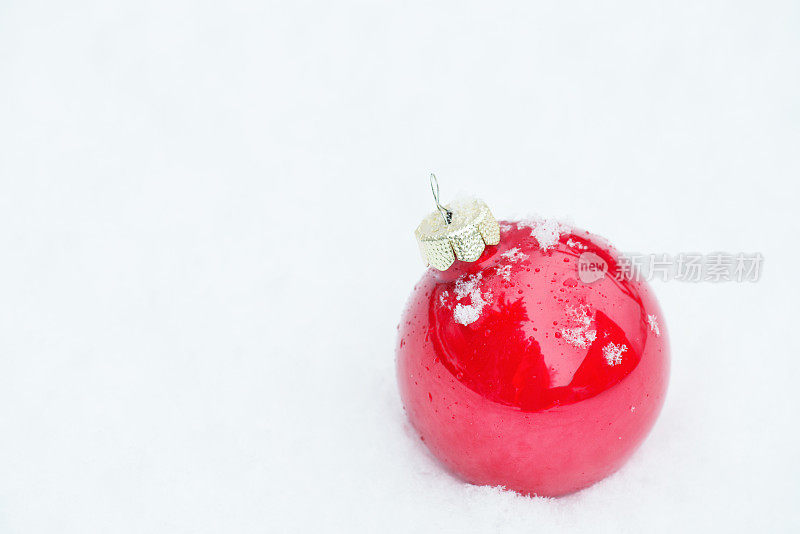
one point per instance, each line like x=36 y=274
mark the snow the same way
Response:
x=612 y=353
x=546 y=231
x=579 y=331
x=514 y=254
x=469 y=287
x=653 y=323
x=467 y=314
x=193 y=340
x=504 y=271
x=576 y=244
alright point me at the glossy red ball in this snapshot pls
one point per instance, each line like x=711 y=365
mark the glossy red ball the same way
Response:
x=519 y=371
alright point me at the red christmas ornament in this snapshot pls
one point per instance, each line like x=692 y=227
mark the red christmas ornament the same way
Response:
x=539 y=367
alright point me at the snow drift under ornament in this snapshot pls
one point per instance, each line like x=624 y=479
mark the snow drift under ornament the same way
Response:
x=516 y=372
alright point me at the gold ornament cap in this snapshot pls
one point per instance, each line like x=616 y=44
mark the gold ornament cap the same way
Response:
x=459 y=230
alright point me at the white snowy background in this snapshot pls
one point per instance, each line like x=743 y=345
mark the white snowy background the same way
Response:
x=206 y=216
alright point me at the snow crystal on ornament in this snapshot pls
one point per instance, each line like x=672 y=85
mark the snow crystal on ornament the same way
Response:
x=469 y=286
x=504 y=271
x=443 y=297
x=579 y=333
x=576 y=244
x=613 y=353
x=514 y=254
x=504 y=226
x=546 y=231
x=651 y=320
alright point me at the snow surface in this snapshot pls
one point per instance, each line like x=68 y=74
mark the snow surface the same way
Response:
x=206 y=229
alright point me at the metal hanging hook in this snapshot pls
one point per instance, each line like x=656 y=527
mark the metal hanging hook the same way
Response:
x=447 y=215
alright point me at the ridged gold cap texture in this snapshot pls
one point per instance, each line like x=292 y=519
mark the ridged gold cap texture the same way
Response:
x=472 y=227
